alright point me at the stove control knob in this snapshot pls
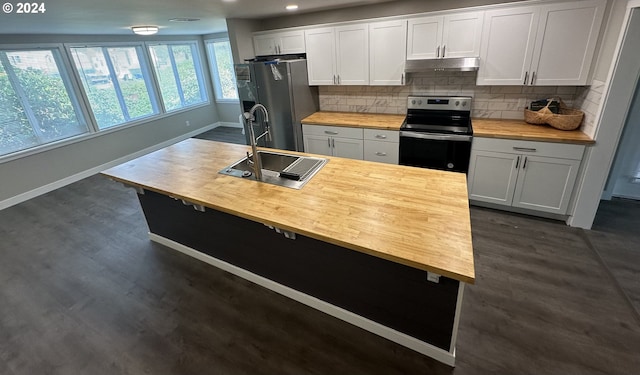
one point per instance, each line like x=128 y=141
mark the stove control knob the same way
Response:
x=450 y=165
x=457 y=103
x=413 y=101
x=420 y=102
x=464 y=104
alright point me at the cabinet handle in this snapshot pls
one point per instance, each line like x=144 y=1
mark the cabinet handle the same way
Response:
x=533 y=77
x=334 y=79
x=329 y=142
x=330 y=132
x=381 y=136
x=444 y=48
x=333 y=143
x=518 y=162
x=381 y=153
x=524 y=165
x=525 y=149
x=526 y=77
x=338 y=78
x=402 y=79
x=438 y=51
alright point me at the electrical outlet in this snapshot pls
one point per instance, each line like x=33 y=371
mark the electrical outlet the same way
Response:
x=188 y=123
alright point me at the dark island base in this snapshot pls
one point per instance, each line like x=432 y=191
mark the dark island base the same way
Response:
x=390 y=294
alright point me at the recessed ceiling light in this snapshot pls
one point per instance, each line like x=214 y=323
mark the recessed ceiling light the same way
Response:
x=184 y=19
x=144 y=30
x=291 y=7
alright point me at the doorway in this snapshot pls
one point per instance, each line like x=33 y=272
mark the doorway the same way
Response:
x=624 y=178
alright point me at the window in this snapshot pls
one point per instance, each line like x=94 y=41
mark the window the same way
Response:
x=37 y=105
x=179 y=74
x=224 y=80
x=117 y=85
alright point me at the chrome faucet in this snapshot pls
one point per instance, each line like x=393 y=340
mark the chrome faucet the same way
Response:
x=250 y=118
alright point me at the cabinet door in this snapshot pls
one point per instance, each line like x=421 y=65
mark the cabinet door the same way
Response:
x=545 y=184
x=492 y=176
x=387 y=47
x=321 y=56
x=461 y=34
x=507 y=46
x=565 y=43
x=317 y=144
x=264 y=45
x=291 y=42
x=348 y=148
x=352 y=52
x=424 y=36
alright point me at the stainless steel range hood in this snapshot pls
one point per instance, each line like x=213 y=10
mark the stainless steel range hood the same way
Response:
x=461 y=64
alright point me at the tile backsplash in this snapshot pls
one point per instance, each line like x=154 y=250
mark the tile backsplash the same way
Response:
x=506 y=102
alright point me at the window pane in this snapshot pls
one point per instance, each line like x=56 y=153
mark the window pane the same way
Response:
x=135 y=91
x=96 y=80
x=15 y=131
x=117 y=88
x=36 y=106
x=178 y=75
x=224 y=77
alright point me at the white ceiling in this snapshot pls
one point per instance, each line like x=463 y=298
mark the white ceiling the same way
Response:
x=106 y=17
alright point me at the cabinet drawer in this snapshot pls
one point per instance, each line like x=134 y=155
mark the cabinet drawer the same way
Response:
x=332 y=131
x=555 y=150
x=381 y=151
x=382 y=135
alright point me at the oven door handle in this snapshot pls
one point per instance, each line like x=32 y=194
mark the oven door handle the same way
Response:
x=438 y=137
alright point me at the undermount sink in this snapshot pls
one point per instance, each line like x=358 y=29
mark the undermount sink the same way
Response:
x=280 y=169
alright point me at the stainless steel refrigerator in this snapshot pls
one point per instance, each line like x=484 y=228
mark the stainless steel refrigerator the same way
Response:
x=282 y=87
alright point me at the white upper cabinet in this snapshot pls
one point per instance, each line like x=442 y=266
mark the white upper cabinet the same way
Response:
x=387 y=50
x=564 y=48
x=540 y=45
x=338 y=55
x=279 y=43
x=453 y=35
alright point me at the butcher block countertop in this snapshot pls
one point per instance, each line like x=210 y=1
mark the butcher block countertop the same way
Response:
x=488 y=128
x=414 y=216
x=356 y=120
x=518 y=129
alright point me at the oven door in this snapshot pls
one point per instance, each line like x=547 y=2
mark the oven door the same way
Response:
x=447 y=152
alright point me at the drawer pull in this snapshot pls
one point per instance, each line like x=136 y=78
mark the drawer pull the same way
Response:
x=381 y=136
x=381 y=153
x=518 y=162
x=525 y=149
x=524 y=165
x=330 y=132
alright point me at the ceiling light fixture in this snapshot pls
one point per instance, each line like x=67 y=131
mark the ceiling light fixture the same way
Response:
x=291 y=7
x=144 y=30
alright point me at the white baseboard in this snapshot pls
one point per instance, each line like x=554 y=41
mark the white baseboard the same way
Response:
x=422 y=347
x=90 y=172
x=231 y=124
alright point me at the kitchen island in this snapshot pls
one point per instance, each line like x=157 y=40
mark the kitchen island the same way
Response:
x=384 y=247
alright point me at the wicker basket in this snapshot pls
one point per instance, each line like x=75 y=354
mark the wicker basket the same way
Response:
x=567 y=119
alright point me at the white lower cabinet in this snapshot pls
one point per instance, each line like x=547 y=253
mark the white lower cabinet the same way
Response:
x=381 y=145
x=333 y=141
x=537 y=176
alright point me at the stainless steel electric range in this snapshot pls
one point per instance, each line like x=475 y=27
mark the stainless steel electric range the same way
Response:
x=437 y=133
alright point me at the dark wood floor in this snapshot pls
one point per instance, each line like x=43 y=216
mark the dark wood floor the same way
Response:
x=224 y=134
x=83 y=291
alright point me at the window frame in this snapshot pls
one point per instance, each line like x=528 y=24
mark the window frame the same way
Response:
x=215 y=73
x=65 y=71
x=197 y=61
